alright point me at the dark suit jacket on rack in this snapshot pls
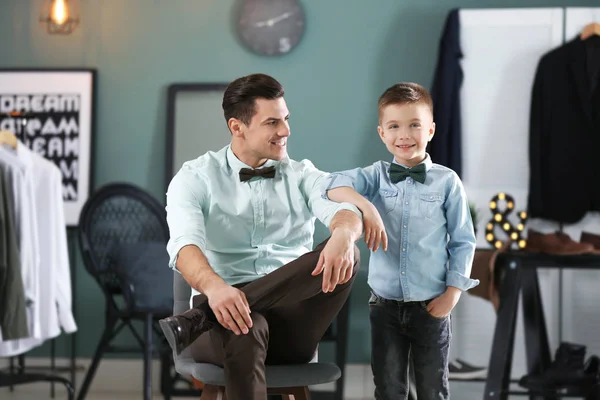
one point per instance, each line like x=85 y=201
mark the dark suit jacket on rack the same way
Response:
x=445 y=149
x=564 y=143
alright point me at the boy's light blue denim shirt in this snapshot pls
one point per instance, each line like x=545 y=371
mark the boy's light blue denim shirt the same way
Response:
x=431 y=241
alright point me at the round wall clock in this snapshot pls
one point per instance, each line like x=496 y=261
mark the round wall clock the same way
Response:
x=271 y=27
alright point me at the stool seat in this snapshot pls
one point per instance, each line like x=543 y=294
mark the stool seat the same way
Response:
x=290 y=381
x=278 y=376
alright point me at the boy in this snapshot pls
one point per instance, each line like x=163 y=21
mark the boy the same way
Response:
x=418 y=280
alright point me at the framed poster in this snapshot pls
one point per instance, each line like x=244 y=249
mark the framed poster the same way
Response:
x=195 y=123
x=51 y=111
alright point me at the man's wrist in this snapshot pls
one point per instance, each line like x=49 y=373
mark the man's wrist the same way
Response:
x=344 y=232
x=212 y=284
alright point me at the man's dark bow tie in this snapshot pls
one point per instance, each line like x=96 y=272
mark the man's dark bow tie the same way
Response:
x=246 y=173
x=399 y=173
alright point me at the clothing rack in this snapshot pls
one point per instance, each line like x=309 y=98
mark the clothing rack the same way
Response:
x=15 y=374
x=20 y=374
x=21 y=377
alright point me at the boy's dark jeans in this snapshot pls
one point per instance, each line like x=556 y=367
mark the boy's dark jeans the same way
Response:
x=400 y=330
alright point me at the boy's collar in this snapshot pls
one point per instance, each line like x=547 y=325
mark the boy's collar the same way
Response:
x=427 y=161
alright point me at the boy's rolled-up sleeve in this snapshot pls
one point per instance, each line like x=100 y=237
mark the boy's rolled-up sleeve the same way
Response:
x=461 y=244
x=363 y=180
x=311 y=186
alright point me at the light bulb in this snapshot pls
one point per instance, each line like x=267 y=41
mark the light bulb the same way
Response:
x=59 y=12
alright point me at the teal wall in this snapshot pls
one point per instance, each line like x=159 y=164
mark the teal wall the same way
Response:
x=352 y=51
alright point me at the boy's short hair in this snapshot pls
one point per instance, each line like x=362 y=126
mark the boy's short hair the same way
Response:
x=405 y=93
x=239 y=99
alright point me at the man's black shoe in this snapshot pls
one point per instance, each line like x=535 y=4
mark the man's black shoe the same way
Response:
x=183 y=329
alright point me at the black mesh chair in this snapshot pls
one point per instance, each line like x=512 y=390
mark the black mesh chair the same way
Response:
x=123 y=235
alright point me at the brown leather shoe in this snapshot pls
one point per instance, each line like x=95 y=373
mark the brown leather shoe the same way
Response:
x=567 y=239
x=183 y=329
x=592 y=239
x=556 y=243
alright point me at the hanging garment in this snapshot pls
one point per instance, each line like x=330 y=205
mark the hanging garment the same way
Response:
x=564 y=135
x=24 y=213
x=55 y=293
x=54 y=302
x=445 y=148
x=13 y=316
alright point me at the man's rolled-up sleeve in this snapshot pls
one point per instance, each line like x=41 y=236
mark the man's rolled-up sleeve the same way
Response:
x=186 y=196
x=312 y=186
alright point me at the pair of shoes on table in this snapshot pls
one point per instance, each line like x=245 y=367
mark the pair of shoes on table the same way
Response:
x=567 y=374
x=559 y=243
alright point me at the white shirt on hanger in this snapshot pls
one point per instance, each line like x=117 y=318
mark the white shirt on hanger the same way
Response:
x=48 y=200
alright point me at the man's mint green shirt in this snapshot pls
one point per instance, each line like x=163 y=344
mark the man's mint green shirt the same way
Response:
x=246 y=229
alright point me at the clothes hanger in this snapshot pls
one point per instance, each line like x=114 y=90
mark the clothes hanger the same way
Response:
x=9 y=138
x=590 y=30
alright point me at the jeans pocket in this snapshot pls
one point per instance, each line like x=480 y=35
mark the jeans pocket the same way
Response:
x=424 y=305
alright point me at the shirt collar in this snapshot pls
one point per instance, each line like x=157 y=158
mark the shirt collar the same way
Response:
x=427 y=161
x=235 y=163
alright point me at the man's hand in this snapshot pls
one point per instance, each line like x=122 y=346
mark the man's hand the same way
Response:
x=230 y=307
x=374 y=228
x=336 y=260
x=444 y=304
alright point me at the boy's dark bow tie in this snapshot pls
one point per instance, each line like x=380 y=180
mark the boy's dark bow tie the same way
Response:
x=246 y=173
x=399 y=173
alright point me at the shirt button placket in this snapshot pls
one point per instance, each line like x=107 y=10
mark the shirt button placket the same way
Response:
x=254 y=200
x=404 y=242
x=260 y=222
x=261 y=211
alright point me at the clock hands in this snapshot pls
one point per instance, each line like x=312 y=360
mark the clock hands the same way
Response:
x=273 y=21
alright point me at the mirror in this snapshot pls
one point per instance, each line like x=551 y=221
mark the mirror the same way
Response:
x=195 y=123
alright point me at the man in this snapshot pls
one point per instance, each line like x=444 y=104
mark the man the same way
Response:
x=241 y=226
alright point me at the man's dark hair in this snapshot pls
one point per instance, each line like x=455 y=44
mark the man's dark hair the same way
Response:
x=405 y=93
x=239 y=99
